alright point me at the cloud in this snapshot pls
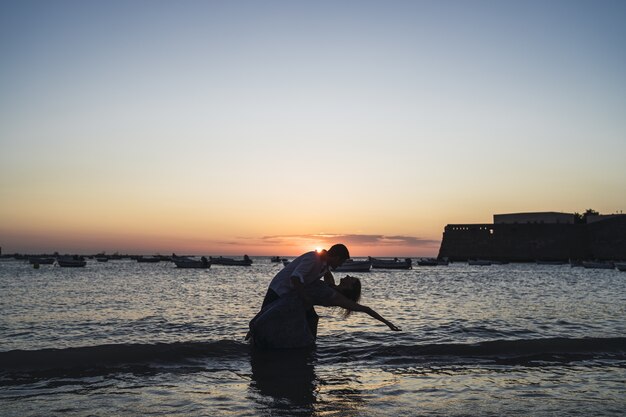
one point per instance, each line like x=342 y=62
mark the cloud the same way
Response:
x=350 y=240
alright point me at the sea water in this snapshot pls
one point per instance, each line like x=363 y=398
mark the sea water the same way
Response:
x=126 y=338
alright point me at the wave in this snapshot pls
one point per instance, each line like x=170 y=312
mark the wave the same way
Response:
x=111 y=357
x=512 y=352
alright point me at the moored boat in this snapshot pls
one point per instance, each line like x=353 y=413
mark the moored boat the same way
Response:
x=220 y=260
x=71 y=262
x=432 y=262
x=148 y=259
x=354 y=266
x=478 y=262
x=546 y=262
x=41 y=261
x=182 y=262
x=394 y=263
x=598 y=265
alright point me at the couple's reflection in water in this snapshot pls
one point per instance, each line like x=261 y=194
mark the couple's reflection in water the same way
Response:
x=285 y=383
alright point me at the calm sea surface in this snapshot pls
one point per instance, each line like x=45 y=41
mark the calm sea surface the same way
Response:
x=124 y=338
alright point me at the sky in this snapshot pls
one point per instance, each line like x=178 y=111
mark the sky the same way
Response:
x=275 y=127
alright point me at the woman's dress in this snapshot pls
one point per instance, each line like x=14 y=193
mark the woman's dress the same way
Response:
x=286 y=324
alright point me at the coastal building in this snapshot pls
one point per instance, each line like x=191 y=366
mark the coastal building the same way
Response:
x=592 y=218
x=545 y=217
x=529 y=237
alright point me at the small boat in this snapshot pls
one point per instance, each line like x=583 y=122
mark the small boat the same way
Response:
x=575 y=263
x=41 y=261
x=102 y=259
x=246 y=261
x=621 y=266
x=541 y=262
x=432 y=262
x=479 y=262
x=354 y=266
x=71 y=262
x=394 y=263
x=598 y=265
x=182 y=262
x=276 y=259
x=148 y=259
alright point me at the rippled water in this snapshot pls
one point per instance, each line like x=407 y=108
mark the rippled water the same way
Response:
x=123 y=338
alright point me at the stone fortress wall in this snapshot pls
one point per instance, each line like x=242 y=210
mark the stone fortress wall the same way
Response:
x=529 y=237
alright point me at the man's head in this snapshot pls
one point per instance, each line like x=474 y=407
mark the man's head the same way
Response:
x=337 y=255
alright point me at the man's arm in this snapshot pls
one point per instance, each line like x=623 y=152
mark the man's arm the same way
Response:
x=306 y=263
x=298 y=286
x=329 y=279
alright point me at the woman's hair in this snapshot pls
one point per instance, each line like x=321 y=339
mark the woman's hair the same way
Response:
x=353 y=293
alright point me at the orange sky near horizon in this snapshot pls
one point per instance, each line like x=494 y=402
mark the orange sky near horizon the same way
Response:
x=162 y=231
x=282 y=246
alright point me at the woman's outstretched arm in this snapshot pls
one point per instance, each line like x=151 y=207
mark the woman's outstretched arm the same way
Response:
x=340 y=301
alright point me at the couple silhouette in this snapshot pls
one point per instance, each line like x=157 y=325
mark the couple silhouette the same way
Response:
x=288 y=318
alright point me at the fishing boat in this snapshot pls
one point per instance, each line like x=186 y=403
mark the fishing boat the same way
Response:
x=148 y=259
x=354 y=266
x=71 y=262
x=432 y=262
x=41 y=261
x=546 y=262
x=478 y=262
x=220 y=260
x=182 y=262
x=394 y=263
x=599 y=265
x=275 y=259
